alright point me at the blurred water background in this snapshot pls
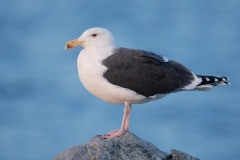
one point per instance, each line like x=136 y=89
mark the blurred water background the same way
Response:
x=44 y=109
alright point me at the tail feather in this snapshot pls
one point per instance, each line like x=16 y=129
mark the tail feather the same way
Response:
x=210 y=81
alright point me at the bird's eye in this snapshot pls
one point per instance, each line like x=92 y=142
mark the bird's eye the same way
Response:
x=94 y=35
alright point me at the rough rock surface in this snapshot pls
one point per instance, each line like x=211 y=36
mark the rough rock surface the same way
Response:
x=125 y=147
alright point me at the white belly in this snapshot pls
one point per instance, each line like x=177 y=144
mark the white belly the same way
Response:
x=90 y=70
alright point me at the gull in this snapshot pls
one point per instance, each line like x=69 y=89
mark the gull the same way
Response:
x=127 y=76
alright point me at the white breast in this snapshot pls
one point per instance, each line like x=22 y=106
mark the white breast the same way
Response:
x=90 y=70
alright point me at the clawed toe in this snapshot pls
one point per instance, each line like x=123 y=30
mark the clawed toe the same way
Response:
x=114 y=134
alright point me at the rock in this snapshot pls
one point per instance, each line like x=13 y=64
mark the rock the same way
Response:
x=125 y=147
x=179 y=155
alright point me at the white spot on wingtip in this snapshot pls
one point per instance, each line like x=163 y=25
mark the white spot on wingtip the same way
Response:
x=207 y=79
x=215 y=79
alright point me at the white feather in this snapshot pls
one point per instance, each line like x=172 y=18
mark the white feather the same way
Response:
x=194 y=83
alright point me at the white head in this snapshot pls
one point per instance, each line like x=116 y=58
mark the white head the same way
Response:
x=93 y=38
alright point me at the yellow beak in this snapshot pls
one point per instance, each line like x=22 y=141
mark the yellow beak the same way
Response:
x=73 y=43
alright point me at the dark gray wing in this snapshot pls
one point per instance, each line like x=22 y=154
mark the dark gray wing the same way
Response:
x=145 y=73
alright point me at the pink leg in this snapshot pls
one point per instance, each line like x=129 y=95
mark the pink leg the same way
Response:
x=124 y=126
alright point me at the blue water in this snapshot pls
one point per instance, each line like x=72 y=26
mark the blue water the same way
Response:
x=44 y=109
